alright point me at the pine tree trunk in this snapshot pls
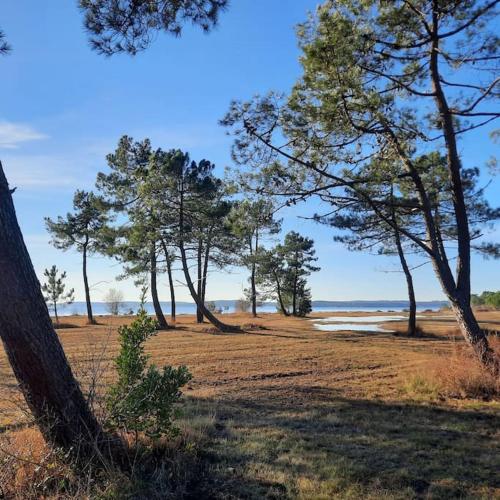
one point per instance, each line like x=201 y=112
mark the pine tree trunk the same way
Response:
x=412 y=315
x=90 y=316
x=199 y=304
x=55 y=313
x=253 y=286
x=205 y=273
x=473 y=333
x=172 y=288
x=199 y=313
x=253 y=291
x=32 y=346
x=162 y=322
x=280 y=298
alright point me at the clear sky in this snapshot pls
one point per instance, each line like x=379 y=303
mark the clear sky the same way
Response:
x=63 y=108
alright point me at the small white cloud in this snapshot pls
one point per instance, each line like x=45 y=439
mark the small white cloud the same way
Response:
x=40 y=172
x=13 y=134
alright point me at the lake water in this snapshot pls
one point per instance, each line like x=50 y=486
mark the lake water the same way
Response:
x=227 y=306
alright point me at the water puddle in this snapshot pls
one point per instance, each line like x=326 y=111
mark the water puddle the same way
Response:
x=355 y=323
x=360 y=319
x=355 y=327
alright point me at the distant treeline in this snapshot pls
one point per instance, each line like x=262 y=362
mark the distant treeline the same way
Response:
x=490 y=299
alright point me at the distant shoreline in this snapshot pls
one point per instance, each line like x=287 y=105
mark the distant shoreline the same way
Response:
x=228 y=306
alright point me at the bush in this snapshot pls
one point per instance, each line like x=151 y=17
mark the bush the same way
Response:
x=143 y=398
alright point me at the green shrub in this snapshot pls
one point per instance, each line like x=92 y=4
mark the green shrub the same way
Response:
x=143 y=398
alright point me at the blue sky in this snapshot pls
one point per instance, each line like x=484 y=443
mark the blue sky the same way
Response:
x=63 y=108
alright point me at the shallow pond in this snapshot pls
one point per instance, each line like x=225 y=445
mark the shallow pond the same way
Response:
x=359 y=319
x=356 y=327
x=355 y=323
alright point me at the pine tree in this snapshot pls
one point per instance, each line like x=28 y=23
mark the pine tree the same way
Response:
x=55 y=290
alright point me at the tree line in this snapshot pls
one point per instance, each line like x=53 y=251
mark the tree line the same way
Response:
x=154 y=209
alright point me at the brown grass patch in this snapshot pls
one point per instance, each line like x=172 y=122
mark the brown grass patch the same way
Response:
x=457 y=374
x=292 y=412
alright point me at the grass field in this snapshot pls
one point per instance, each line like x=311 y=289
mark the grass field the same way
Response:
x=286 y=411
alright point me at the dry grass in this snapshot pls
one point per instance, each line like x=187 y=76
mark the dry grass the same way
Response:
x=281 y=410
x=457 y=374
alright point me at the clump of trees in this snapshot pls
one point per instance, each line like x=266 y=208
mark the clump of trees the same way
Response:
x=55 y=290
x=490 y=299
x=252 y=221
x=282 y=273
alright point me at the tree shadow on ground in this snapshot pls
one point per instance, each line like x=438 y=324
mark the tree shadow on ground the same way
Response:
x=319 y=444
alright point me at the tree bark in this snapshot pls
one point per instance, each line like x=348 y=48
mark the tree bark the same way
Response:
x=412 y=314
x=162 y=322
x=253 y=291
x=199 y=313
x=280 y=298
x=459 y=294
x=172 y=288
x=90 y=316
x=32 y=346
x=253 y=286
x=55 y=313
x=205 y=272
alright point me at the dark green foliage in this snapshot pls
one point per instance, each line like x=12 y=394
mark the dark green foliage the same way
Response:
x=130 y=25
x=4 y=46
x=144 y=397
x=54 y=289
x=86 y=227
x=304 y=300
x=282 y=272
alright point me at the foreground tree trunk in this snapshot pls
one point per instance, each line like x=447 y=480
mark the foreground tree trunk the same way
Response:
x=162 y=322
x=90 y=316
x=412 y=315
x=32 y=346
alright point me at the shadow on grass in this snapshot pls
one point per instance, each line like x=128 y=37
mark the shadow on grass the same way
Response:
x=321 y=445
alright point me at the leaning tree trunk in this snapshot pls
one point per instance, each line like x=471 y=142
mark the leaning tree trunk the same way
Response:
x=206 y=258
x=280 y=297
x=412 y=315
x=459 y=295
x=32 y=346
x=90 y=316
x=199 y=304
x=162 y=322
x=168 y=260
